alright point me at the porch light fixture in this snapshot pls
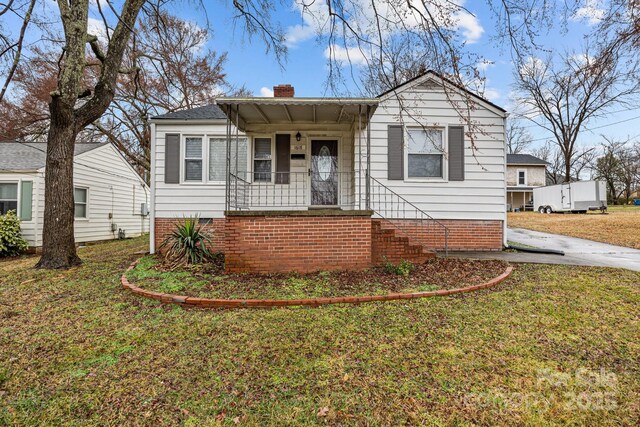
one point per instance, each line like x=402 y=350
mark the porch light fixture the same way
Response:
x=298 y=137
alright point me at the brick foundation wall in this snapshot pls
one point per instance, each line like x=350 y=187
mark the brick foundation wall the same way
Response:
x=307 y=243
x=464 y=235
x=215 y=227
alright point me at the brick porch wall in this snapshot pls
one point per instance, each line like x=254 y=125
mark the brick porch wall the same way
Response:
x=304 y=243
x=464 y=235
x=214 y=226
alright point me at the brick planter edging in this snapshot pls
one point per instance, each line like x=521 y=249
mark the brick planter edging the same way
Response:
x=187 y=301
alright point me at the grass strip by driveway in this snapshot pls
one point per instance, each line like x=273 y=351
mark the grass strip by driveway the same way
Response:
x=618 y=227
x=552 y=345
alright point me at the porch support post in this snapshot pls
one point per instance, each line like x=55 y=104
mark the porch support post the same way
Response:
x=228 y=163
x=359 y=157
x=368 y=183
x=237 y=149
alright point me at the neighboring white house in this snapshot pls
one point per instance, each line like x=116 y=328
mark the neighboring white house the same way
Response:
x=524 y=173
x=429 y=171
x=109 y=195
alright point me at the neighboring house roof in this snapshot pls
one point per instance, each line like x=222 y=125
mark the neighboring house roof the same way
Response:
x=208 y=112
x=23 y=156
x=524 y=159
x=438 y=75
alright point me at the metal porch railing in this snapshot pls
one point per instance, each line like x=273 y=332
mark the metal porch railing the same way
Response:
x=270 y=190
x=406 y=217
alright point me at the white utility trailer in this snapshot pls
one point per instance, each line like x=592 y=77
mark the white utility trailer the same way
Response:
x=575 y=197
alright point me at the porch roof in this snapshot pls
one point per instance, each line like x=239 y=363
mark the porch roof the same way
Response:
x=279 y=110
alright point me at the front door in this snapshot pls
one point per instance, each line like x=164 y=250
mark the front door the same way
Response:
x=324 y=173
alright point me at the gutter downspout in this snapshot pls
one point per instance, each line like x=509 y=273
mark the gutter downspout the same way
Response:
x=152 y=202
x=504 y=205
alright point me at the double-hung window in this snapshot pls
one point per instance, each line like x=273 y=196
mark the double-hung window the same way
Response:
x=193 y=158
x=262 y=159
x=522 y=177
x=8 y=197
x=80 y=201
x=218 y=158
x=425 y=153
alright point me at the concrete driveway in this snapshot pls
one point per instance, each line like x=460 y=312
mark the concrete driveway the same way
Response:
x=577 y=251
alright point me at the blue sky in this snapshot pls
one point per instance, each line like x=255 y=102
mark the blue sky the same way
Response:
x=306 y=65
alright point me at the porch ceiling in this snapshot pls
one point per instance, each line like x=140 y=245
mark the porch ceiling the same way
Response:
x=265 y=111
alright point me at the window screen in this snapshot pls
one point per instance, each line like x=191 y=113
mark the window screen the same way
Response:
x=193 y=159
x=218 y=158
x=8 y=197
x=425 y=153
x=262 y=159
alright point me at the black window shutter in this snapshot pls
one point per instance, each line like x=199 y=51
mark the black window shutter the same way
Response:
x=283 y=156
x=172 y=158
x=456 y=153
x=395 y=152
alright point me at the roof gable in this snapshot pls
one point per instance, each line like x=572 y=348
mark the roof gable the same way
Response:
x=428 y=80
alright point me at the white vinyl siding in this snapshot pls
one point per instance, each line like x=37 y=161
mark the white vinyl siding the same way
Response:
x=482 y=194
x=115 y=190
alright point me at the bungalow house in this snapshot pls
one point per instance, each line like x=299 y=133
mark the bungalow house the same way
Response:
x=524 y=173
x=287 y=183
x=110 y=198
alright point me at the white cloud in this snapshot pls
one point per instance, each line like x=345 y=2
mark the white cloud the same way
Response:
x=298 y=34
x=265 y=91
x=341 y=54
x=592 y=11
x=469 y=25
x=396 y=16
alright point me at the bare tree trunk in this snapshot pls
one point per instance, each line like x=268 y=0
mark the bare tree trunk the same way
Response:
x=58 y=243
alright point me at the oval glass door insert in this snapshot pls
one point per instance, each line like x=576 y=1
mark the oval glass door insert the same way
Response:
x=325 y=163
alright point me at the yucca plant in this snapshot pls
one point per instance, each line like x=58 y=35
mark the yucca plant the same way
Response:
x=187 y=244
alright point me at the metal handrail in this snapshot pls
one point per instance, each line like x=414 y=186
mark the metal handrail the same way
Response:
x=394 y=206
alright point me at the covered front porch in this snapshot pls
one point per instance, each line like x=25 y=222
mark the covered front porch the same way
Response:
x=303 y=153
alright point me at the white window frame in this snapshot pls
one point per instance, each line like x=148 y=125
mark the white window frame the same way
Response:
x=253 y=156
x=18 y=186
x=86 y=203
x=445 y=150
x=526 y=178
x=183 y=159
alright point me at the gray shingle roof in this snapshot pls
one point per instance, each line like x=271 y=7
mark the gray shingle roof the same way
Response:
x=208 y=112
x=16 y=156
x=524 y=159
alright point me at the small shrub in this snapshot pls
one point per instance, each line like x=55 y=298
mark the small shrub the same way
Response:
x=11 y=241
x=403 y=268
x=187 y=244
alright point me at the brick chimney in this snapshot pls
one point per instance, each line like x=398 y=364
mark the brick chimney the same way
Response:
x=283 y=91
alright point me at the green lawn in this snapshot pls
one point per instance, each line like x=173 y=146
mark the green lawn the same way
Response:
x=552 y=345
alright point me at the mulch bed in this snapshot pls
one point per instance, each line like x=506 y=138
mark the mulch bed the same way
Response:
x=210 y=281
